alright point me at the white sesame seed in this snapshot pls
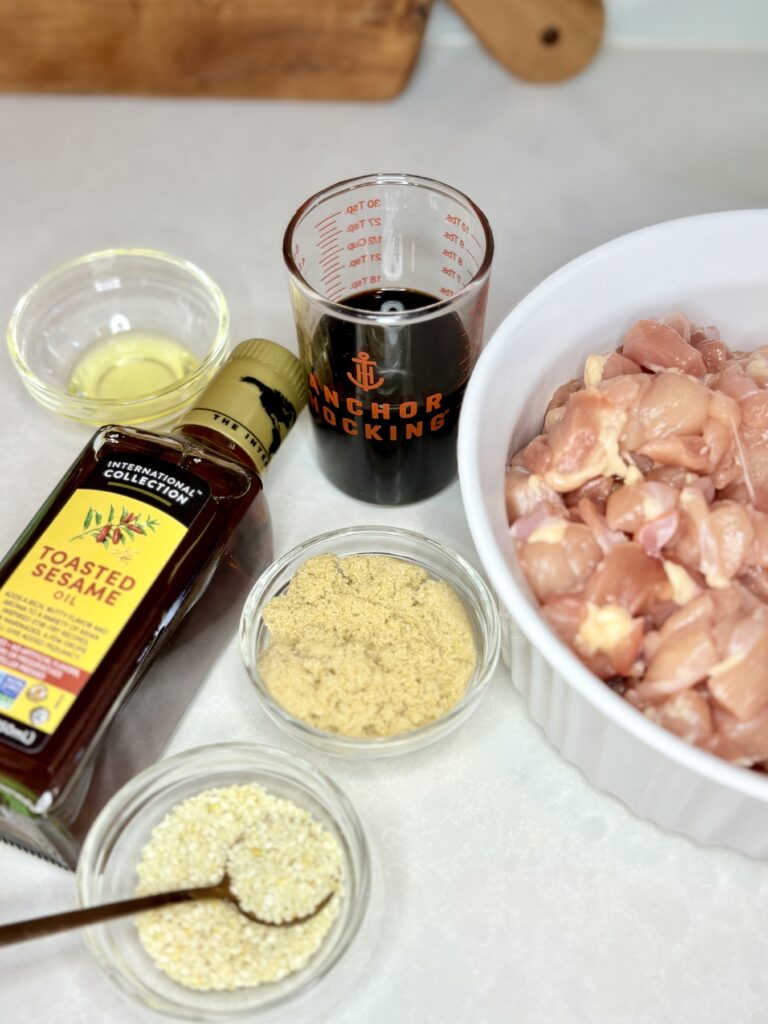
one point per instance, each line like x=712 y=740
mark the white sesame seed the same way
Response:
x=281 y=863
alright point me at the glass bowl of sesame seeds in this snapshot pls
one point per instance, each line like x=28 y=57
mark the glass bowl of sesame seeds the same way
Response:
x=370 y=641
x=173 y=826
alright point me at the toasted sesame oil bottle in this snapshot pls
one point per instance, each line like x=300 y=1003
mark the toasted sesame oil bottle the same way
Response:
x=103 y=575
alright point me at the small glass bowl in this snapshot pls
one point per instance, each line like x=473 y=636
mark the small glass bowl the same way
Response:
x=107 y=871
x=440 y=563
x=99 y=297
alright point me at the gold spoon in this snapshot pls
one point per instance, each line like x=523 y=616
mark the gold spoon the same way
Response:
x=37 y=927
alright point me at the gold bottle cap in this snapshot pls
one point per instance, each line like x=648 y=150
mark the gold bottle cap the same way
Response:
x=254 y=399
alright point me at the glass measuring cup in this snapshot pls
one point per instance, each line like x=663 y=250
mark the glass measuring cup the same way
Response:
x=389 y=279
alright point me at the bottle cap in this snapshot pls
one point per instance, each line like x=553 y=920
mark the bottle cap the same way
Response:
x=254 y=399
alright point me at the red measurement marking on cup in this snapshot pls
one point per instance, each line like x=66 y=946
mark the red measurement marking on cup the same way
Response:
x=461 y=239
x=363 y=282
x=363 y=241
x=364 y=257
x=330 y=256
x=363 y=204
x=363 y=224
x=329 y=247
x=327 y=235
x=336 y=276
x=457 y=222
x=329 y=217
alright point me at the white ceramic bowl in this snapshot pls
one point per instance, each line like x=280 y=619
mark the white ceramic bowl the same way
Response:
x=714 y=268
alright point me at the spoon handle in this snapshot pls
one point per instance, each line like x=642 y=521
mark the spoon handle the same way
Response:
x=36 y=927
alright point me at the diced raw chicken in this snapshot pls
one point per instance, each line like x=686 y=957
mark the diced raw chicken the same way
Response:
x=607 y=638
x=674 y=405
x=558 y=556
x=591 y=516
x=640 y=518
x=744 y=743
x=687 y=714
x=739 y=682
x=525 y=492
x=648 y=510
x=629 y=577
x=617 y=365
x=679 y=322
x=684 y=657
x=656 y=346
x=563 y=393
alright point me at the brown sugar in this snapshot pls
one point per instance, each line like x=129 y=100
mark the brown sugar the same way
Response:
x=367 y=645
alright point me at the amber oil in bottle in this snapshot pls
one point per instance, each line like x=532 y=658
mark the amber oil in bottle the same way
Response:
x=104 y=574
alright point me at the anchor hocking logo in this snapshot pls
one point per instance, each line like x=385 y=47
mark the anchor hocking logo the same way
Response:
x=365 y=373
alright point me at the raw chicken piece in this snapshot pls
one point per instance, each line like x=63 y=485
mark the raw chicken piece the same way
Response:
x=597 y=491
x=627 y=576
x=536 y=457
x=756 y=581
x=617 y=365
x=739 y=682
x=558 y=556
x=684 y=657
x=648 y=510
x=656 y=346
x=744 y=743
x=577 y=444
x=756 y=366
x=674 y=405
x=607 y=638
x=584 y=444
x=562 y=394
x=606 y=367
x=714 y=354
x=735 y=383
x=679 y=322
x=754 y=453
x=605 y=537
x=713 y=539
x=524 y=492
x=687 y=714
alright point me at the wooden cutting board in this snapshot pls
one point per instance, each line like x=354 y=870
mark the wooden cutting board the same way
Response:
x=319 y=49
x=539 y=40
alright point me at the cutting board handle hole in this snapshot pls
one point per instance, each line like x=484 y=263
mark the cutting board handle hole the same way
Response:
x=550 y=36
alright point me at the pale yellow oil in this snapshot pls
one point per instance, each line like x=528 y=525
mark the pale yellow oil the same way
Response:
x=130 y=365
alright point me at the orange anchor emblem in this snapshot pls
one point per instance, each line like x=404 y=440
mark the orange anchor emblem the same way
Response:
x=365 y=373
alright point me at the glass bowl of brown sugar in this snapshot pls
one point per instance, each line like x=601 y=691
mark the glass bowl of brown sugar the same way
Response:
x=370 y=641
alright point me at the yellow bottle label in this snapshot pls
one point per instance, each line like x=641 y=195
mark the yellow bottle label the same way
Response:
x=79 y=583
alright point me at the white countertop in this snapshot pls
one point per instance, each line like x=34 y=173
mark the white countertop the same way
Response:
x=504 y=886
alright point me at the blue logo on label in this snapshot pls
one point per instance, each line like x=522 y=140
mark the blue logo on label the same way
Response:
x=10 y=688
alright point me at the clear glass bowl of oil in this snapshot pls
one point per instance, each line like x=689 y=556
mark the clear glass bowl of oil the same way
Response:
x=125 y=335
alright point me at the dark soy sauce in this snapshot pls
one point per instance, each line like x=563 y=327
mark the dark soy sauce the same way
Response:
x=386 y=399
